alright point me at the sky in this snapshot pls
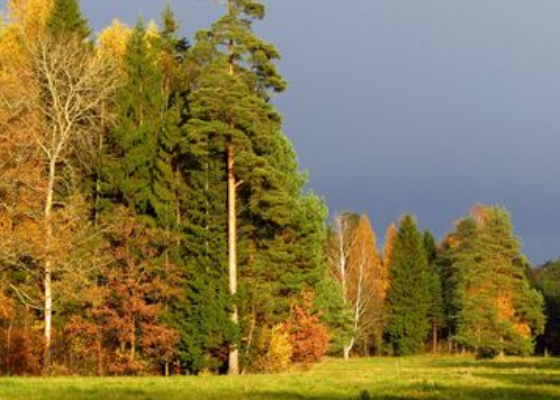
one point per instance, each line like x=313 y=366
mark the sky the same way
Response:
x=423 y=107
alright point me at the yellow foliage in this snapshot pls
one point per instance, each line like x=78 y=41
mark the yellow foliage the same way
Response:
x=26 y=21
x=29 y=16
x=506 y=312
x=504 y=305
x=276 y=350
x=6 y=306
x=152 y=30
x=523 y=329
x=112 y=42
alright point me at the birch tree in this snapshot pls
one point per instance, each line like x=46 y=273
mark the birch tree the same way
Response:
x=362 y=288
x=73 y=84
x=354 y=262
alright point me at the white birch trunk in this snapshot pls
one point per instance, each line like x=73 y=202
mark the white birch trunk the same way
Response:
x=47 y=279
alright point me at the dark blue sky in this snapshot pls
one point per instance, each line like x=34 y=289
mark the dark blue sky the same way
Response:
x=414 y=106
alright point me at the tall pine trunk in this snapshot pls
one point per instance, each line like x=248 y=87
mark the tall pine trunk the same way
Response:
x=233 y=361
x=233 y=365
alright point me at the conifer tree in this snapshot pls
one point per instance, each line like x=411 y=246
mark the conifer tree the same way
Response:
x=436 y=313
x=142 y=145
x=409 y=298
x=231 y=115
x=66 y=20
x=547 y=281
x=497 y=310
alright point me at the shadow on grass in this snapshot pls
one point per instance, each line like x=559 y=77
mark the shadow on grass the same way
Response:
x=410 y=392
x=505 y=364
x=539 y=378
x=419 y=394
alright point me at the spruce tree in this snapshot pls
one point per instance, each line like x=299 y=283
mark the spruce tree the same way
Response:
x=409 y=297
x=204 y=318
x=436 y=313
x=142 y=146
x=67 y=20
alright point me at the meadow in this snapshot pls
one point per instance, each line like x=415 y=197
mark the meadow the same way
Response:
x=428 y=378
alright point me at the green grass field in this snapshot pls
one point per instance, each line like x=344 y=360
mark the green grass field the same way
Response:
x=449 y=378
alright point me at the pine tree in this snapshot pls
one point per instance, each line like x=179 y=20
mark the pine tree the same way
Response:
x=272 y=249
x=497 y=310
x=409 y=296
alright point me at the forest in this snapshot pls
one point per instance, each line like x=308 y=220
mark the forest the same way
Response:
x=154 y=220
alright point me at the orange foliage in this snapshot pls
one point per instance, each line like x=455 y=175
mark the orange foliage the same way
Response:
x=20 y=342
x=390 y=238
x=20 y=358
x=308 y=336
x=125 y=321
x=480 y=214
x=6 y=306
x=387 y=256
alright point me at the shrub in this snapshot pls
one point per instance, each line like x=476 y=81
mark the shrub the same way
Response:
x=308 y=336
x=276 y=350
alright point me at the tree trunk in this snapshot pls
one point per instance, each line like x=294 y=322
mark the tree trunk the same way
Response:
x=48 y=316
x=366 y=346
x=346 y=350
x=253 y=305
x=233 y=367
x=133 y=338
x=7 y=358
x=99 y=355
x=434 y=338
x=47 y=280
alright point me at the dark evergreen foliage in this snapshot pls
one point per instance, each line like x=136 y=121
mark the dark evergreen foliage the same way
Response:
x=280 y=230
x=409 y=297
x=436 y=313
x=67 y=20
x=547 y=281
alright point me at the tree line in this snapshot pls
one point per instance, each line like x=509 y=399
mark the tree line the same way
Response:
x=153 y=218
x=472 y=292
